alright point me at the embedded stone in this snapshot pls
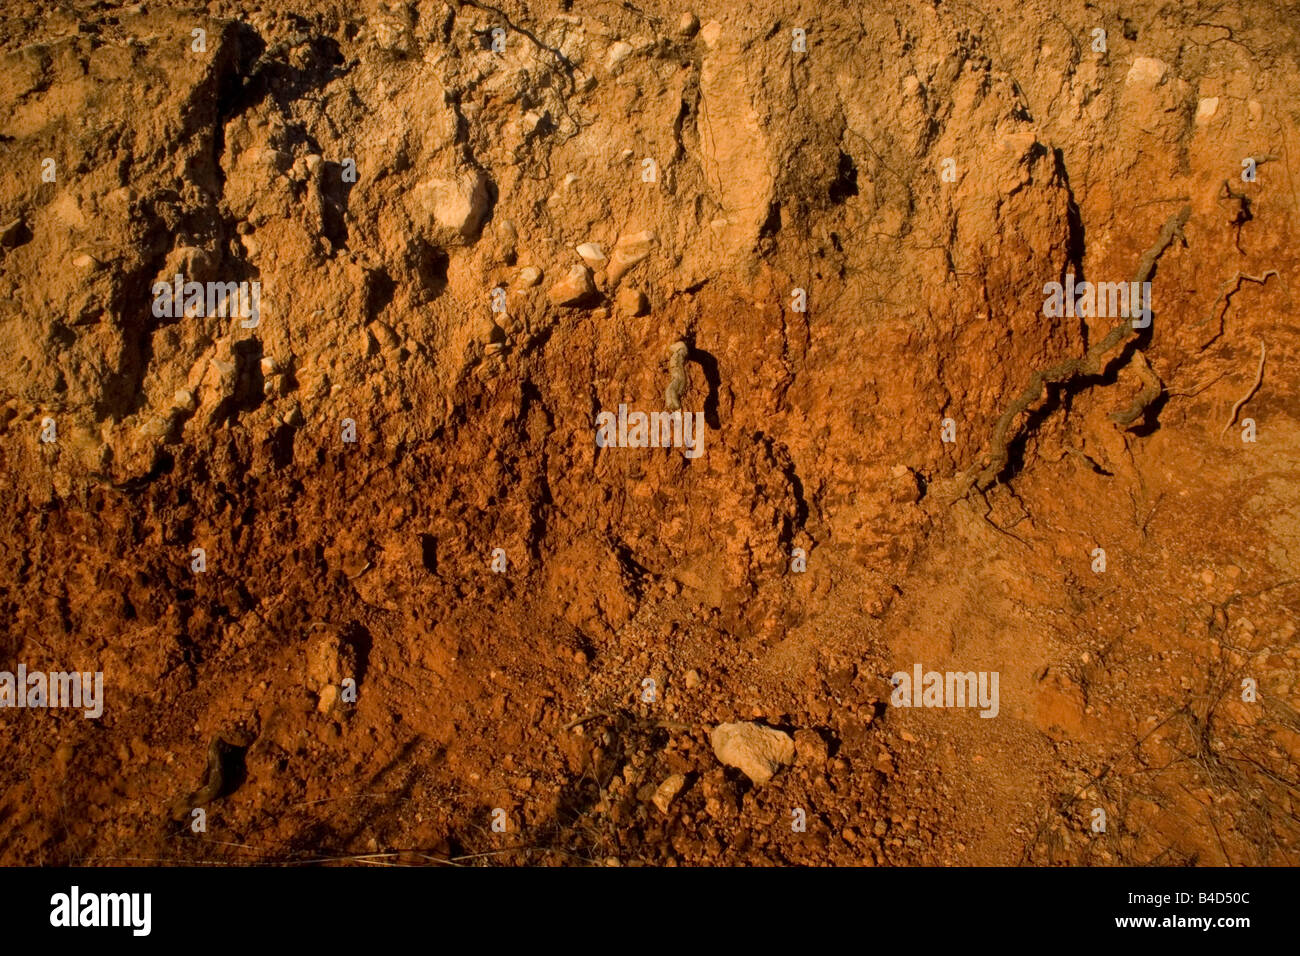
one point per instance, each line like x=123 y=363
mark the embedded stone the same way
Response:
x=757 y=751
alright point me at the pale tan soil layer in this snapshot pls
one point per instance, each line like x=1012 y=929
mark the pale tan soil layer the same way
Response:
x=774 y=170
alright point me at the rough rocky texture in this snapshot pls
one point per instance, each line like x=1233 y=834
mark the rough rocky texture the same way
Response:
x=515 y=680
x=574 y=289
x=757 y=752
x=667 y=792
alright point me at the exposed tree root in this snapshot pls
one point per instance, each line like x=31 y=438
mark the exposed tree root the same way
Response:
x=1151 y=389
x=986 y=470
x=1225 y=294
x=677 y=385
x=1259 y=379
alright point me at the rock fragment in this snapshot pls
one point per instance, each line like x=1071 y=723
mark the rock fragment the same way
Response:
x=185 y=400
x=618 y=52
x=508 y=241
x=592 y=254
x=534 y=123
x=628 y=252
x=576 y=288
x=454 y=208
x=528 y=277
x=667 y=792
x=330 y=660
x=1146 y=71
x=757 y=751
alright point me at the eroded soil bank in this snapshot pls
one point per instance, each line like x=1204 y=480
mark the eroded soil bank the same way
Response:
x=851 y=228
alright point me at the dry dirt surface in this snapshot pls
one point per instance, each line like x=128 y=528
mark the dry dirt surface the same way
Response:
x=369 y=576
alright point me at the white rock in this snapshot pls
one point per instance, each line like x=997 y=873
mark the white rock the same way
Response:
x=757 y=751
x=618 y=52
x=528 y=276
x=1146 y=71
x=592 y=254
x=507 y=240
x=455 y=207
x=667 y=792
x=155 y=427
x=628 y=251
x=1206 y=109
x=532 y=120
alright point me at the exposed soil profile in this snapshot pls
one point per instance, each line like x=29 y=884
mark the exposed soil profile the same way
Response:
x=567 y=433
